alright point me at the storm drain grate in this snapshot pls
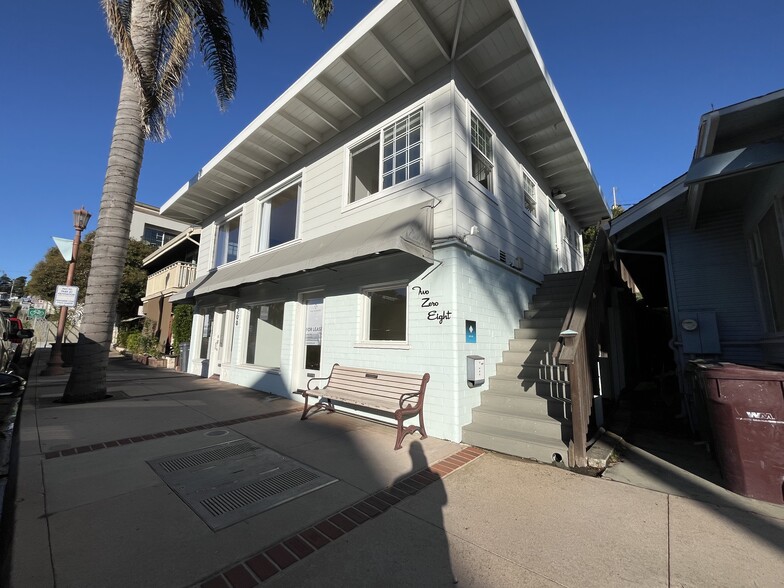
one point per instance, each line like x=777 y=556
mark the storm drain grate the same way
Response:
x=230 y=482
x=229 y=449
x=234 y=499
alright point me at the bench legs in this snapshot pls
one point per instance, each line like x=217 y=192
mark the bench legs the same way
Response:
x=403 y=431
x=320 y=405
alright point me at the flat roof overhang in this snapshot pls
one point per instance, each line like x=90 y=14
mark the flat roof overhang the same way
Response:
x=400 y=43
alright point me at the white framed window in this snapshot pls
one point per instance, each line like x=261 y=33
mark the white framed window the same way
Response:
x=265 y=335
x=279 y=221
x=227 y=245
x=387 y=158
x=386 y=313
x=529 y=194
x=481 y=153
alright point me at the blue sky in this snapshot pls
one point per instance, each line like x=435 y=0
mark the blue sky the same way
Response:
x=634 y=78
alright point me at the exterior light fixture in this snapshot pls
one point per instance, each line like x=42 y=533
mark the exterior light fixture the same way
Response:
x=557 y=194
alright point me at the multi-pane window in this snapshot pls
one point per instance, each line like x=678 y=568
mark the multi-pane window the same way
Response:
x=481 y=153
x=529 y=195
x=280 y=217
x=228 y=244
x=265 y=335
x=387 y=314
x=388 y=158
x=156 y=235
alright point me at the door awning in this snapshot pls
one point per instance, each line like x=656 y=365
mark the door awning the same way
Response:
x=409 y=230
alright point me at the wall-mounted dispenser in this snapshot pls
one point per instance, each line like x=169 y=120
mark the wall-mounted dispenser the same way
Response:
x=475 y=365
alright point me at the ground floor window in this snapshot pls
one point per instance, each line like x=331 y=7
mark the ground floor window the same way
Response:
x=265 y=335
x=386 y=313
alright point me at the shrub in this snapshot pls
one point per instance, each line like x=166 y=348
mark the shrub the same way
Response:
x=181 y=325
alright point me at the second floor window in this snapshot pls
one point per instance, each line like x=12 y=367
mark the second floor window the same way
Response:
x=228 y=244
x=388 y=158
x=529 y=195
x=481 y=153
x=280 y=217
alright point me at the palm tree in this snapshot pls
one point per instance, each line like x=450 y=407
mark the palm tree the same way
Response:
x=154 y=39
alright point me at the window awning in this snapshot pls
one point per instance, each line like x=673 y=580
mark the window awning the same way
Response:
x=409 y=230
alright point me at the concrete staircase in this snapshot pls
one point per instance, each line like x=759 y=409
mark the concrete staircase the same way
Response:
x=526 y=410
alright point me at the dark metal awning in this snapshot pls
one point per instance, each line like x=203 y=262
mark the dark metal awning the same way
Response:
x=409 y=230
x=745 y=159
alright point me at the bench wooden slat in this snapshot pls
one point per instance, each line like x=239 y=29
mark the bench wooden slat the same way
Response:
x=375 y=389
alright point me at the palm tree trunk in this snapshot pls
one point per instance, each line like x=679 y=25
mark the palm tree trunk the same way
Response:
x=88 y=375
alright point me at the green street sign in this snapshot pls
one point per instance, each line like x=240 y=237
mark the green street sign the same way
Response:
x=36 y=313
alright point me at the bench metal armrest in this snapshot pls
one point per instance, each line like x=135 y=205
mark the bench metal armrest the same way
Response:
x=313 y=380
x=407 y=397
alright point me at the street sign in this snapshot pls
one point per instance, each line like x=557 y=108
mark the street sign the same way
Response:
x=66 y=296
x=36 y=313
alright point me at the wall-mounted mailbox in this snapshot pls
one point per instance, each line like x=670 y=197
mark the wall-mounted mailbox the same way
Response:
x=476 y=370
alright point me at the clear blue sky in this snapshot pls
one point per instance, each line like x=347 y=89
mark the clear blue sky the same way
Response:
x=634 y=78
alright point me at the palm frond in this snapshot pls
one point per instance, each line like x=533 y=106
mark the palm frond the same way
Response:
x=321 y=10
x=118 y=21
x=257 y=13
x=217 y=48
x=175 y=42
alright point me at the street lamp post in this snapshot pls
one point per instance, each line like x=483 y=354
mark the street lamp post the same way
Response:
x=55 y=365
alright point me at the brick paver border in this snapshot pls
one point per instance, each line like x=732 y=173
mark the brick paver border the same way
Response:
x=152 y=436
x=268 y=562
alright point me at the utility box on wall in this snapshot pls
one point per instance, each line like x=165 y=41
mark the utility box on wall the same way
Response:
x=475 y=367
x=699 y=332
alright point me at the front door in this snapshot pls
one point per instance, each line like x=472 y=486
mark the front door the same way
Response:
x=218 y=340
x=312 y=308
x=555 y=241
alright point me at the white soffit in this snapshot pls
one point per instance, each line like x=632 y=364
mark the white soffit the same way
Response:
x=398 y=44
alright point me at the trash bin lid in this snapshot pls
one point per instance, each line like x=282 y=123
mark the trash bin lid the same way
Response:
x=736 y=371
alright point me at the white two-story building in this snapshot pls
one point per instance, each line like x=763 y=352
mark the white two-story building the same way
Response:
x=396 y=208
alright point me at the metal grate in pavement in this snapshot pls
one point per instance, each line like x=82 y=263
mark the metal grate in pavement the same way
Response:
x=203 y=456
x=232 y=481
x=241 y=497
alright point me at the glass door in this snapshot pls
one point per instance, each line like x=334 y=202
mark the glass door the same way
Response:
x=312 y=308
x=555 y=241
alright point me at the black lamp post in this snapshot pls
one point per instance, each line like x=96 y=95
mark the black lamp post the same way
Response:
x=55 y=365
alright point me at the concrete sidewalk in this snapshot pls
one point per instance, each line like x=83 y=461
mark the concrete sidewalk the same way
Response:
x=92 y=511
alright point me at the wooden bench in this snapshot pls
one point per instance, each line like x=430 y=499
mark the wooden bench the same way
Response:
x=402 y=395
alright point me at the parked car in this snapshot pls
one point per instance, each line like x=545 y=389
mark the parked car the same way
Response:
x=12 y=337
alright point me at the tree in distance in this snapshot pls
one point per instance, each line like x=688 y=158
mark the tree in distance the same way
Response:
x=155 y=39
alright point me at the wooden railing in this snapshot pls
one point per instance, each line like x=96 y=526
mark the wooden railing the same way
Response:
x=171 y=278
x=577 y=348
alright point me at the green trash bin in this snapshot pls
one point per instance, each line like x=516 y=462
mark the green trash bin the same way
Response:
x=745 y=408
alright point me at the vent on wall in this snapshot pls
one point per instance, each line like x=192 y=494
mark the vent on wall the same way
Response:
x=502 y=255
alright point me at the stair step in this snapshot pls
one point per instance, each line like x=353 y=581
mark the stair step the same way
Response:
x=544 y=313
x=526 y=445
x=531 y=386
x=517 y=421
x=549 y=334
x=521 y=402
x=562 y=277
x=538 y=345
x=561 y=304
